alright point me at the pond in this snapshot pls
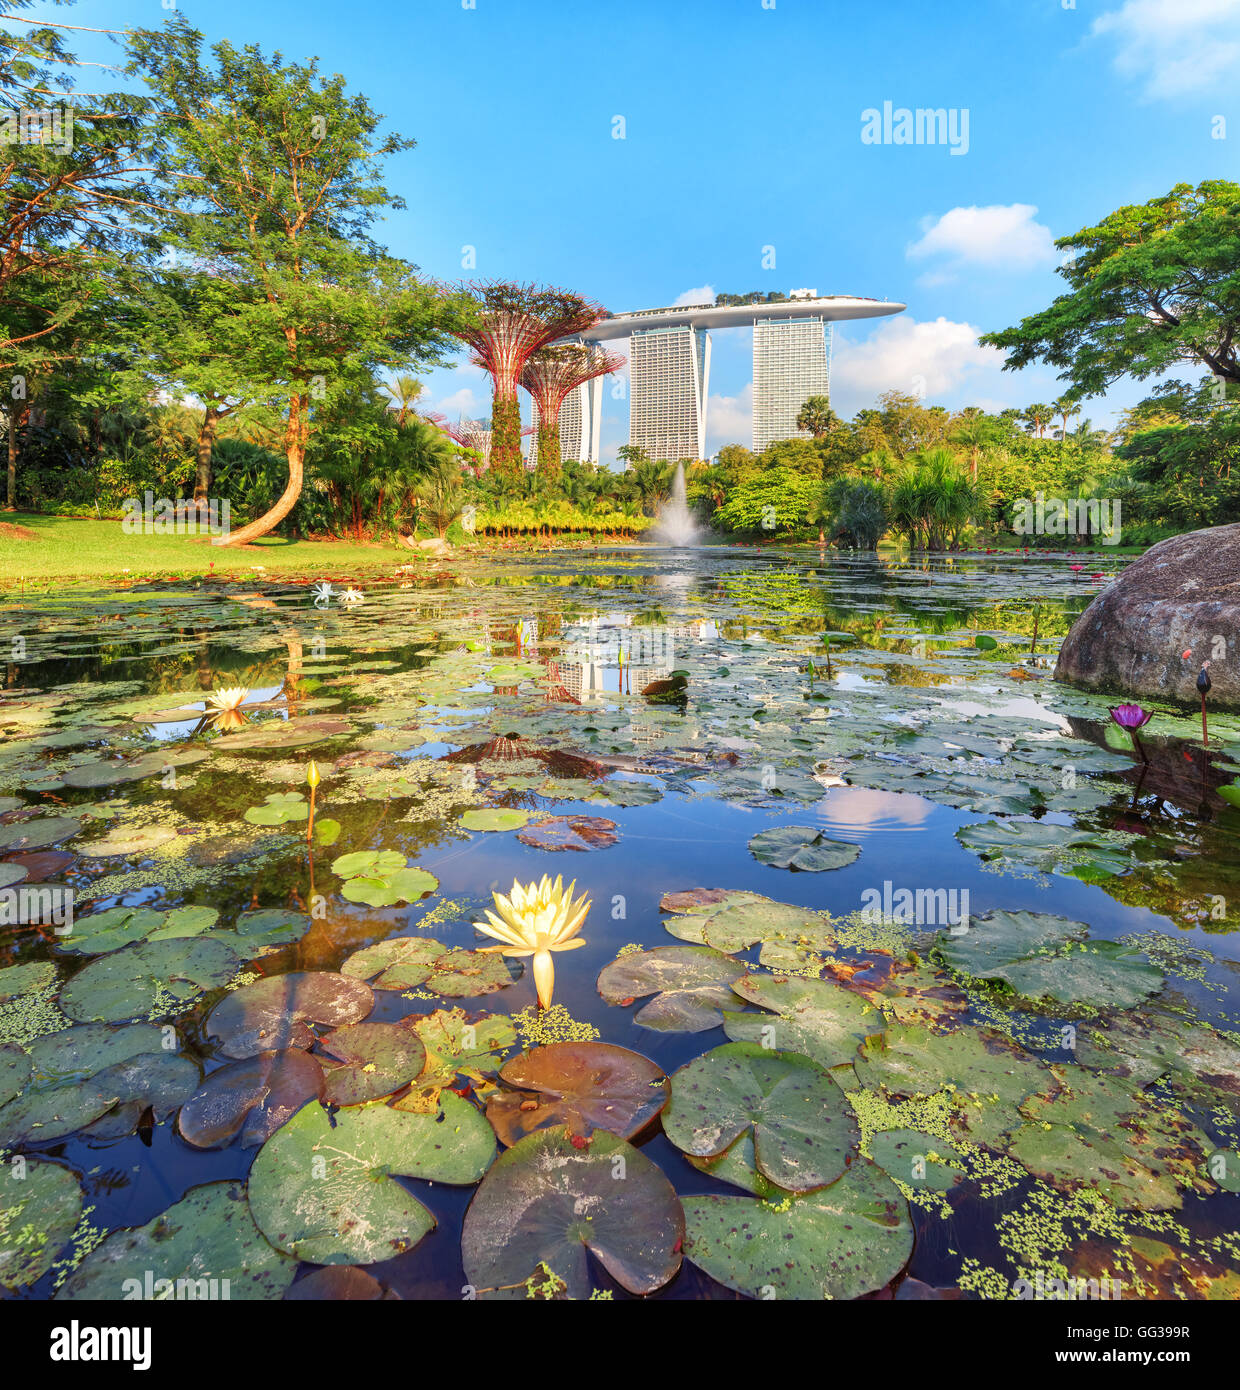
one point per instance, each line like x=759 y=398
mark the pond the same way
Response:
x=940 y=965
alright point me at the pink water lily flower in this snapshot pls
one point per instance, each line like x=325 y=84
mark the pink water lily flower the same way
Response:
x=1131 y=717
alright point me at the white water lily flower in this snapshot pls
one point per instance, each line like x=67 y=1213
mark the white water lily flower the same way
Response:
x=323 y=592
x=228 y=699
x=536 y=919
x=352 y=596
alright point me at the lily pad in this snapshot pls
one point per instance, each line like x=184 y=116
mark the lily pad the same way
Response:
x=1042 y=956
x=405 y=962
x=804 y=1130
x=38 y=833
x=30 y=978
x=15 y=1069
x=802 y=847
x=157 y=976
x=280 y=808
x=38 y=1214
x=376 y=1059
x=380 y=878
x=550 y=1204
x=817 y=1018
x=271 y=926
x=570 y=832
x=691 y=985
x=128 y=843
x=917 y=1160
x=282 y=1011
x=840 y=1242
x=327 y=1193
x=456 y=1046
x=582 y=1086
x=494 y=818
x=253 y=1097
x=208 y=1235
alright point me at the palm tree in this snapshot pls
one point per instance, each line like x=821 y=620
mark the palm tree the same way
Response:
x=1066 y=407
x=404 y=390
x=974 y=431
x=439 y=496
x=817 y=417
x=1036 y=418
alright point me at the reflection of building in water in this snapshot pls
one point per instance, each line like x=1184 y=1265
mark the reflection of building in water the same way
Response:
x=600 y=654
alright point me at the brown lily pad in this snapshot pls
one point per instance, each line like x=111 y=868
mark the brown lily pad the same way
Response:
x=279 y=1012
x=582 y=1085
x=42 y=865
x=570 y=832
x=253 y=1096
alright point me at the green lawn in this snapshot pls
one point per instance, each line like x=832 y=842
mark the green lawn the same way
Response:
x=71 y=548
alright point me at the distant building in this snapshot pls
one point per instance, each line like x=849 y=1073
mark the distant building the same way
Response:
x=669 y=363
x=791 y=362
x=669 y=377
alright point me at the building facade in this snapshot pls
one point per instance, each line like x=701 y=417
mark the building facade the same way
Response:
x=791 y=363
x=669 y=377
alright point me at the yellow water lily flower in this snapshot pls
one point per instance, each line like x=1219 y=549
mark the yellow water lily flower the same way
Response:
x=228 y=699
x=536 y=919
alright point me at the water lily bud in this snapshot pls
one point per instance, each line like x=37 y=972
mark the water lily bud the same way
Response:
x=312 y=773
x=1203 y=680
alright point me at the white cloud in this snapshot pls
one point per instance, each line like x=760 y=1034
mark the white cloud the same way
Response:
x=933 y=358
x=1174 y=47
x=704 y=294
x=729 y=420
x=997 y=238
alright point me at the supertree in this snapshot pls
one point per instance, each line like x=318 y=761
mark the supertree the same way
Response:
x=513 y=322
x=549 y=375
x=475 y=435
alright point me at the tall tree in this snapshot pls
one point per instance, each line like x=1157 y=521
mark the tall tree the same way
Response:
x=273 y=171
x=73 y=169
x=1151 y=286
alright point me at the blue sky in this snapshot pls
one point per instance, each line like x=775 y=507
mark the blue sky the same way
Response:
x=742 y=124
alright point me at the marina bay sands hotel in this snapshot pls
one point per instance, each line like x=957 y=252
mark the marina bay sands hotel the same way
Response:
x=669 y=371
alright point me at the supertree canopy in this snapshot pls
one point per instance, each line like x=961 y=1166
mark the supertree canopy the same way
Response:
x=513 y=322
x=549 y=375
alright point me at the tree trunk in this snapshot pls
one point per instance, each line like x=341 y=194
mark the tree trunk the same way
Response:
x=11 y=489
x=295 y=450
x=206 y=444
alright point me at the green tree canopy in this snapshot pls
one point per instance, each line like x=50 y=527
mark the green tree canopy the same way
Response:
x=1151 y=286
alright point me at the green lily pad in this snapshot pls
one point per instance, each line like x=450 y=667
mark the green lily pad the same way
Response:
x=494 y=818
x=29 y=978
x=271 y=926
x=1100 y=1132
x=38 y=833
x=280 y=808
x=155 y=976
x=839 y=1242
x=128 y=844
x=116 y=771
x=1042 y=956
x=817 y=1018
x=282 y=1011
x=376 y=1059
x=15 y=1069
x=547 y=1204
x=804 y=1129
x=405 y=962
x=379 y=878
x=103 y=932
x=208 y=1235
x=691 y=985
x=456 y=1046
x=11 y=873
x=252 y=1097
x=582 y=1086
x=327 y=1193
x=917 y=1160
x=802 y=847
x=1036 y=846
x=38 y=1214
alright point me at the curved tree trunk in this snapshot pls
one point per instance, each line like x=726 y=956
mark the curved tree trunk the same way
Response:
x=295 y=449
